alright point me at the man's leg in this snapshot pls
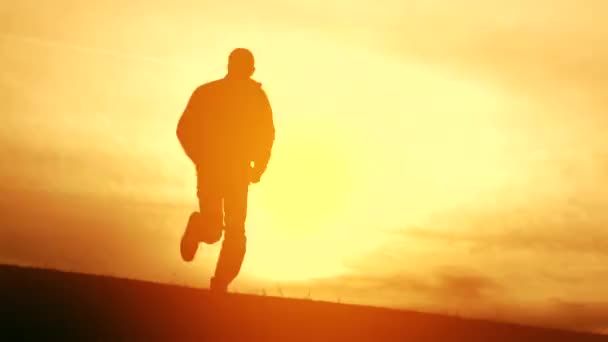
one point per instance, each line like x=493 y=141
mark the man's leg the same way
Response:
x=205 y=225
x=211 y=219
x=234 y=244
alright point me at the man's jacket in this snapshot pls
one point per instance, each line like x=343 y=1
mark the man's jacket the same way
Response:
x=227 y=122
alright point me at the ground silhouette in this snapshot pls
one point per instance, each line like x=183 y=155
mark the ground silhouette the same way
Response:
x=55 y=305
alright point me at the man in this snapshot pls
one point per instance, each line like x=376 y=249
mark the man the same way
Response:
x=227 y=131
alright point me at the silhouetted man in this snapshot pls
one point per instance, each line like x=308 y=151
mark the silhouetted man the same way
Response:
x=227 y=131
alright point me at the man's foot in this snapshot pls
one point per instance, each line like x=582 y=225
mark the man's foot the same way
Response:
x=190 y=239
x=217 y=287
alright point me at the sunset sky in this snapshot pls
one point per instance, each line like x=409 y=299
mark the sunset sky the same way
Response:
x=444 y=156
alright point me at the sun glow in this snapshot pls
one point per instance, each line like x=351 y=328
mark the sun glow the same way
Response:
x=363 y=141
x=394 y=159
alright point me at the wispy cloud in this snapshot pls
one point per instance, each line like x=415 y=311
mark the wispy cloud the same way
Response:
x=539 y=265
x=553 y=231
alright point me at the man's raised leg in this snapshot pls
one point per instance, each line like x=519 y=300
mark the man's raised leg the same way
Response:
x=207 y=224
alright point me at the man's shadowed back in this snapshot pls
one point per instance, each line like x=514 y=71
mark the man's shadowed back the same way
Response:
x=227 y=131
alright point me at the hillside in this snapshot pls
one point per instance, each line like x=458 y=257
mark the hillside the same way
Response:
x=54 y=305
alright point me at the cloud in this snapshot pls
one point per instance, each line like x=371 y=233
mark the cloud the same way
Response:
x=547 y=227
x=465 y=286
x=540 y=263
x=585 y=240
x=446 y=288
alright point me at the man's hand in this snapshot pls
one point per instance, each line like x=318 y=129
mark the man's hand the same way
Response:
x=255 y=174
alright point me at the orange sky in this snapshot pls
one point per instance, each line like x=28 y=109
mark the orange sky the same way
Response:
x=437 y=156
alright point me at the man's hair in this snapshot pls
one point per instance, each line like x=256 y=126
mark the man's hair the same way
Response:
x=241 y=62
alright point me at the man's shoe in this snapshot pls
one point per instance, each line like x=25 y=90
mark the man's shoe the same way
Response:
x=190 y=239
x=217 y=287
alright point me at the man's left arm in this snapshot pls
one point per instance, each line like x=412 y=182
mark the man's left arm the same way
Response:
x=187 y=126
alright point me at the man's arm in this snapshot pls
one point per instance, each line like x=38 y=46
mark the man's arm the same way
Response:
x=265 y=136
x=187 y=127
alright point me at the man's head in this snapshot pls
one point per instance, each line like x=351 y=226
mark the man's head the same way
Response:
x=241 y=63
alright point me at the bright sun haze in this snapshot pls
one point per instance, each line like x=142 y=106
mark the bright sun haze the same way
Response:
x=429 y=150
